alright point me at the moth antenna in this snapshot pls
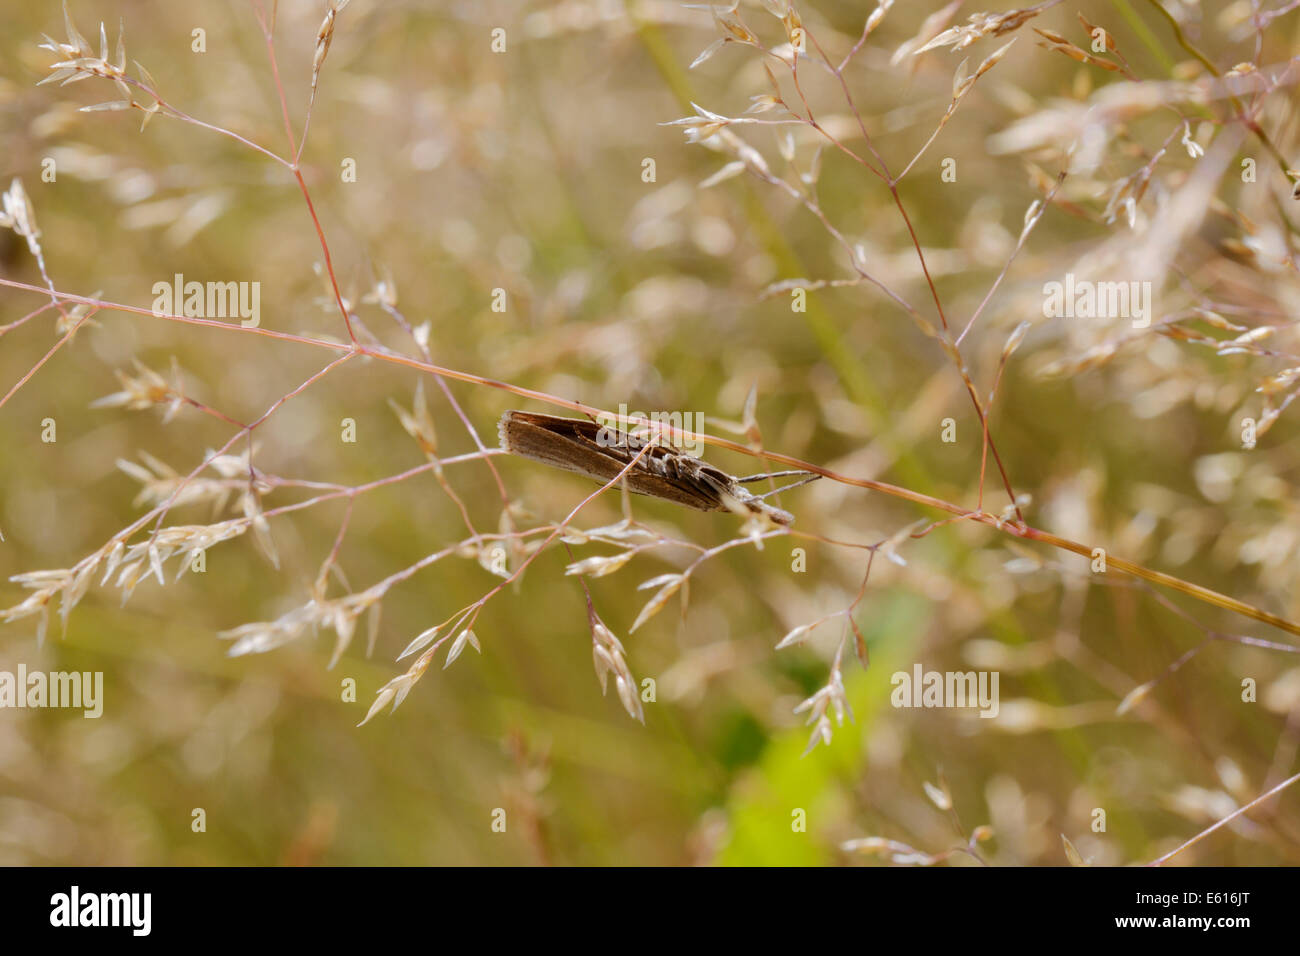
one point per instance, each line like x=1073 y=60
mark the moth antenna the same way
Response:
x=793 y=484
x=774 y=474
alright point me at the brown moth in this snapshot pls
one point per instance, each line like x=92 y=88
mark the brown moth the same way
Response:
x=598 y=452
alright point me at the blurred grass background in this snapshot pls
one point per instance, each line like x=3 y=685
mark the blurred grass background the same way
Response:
x=523 y=171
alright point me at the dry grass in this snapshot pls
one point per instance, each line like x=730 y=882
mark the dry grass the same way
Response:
x=908 y=168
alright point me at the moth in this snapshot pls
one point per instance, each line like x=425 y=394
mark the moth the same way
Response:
x=599 y=452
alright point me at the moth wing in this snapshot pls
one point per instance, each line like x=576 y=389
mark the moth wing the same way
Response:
x=525 y=435
x=680 y=492
x=570 y=444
